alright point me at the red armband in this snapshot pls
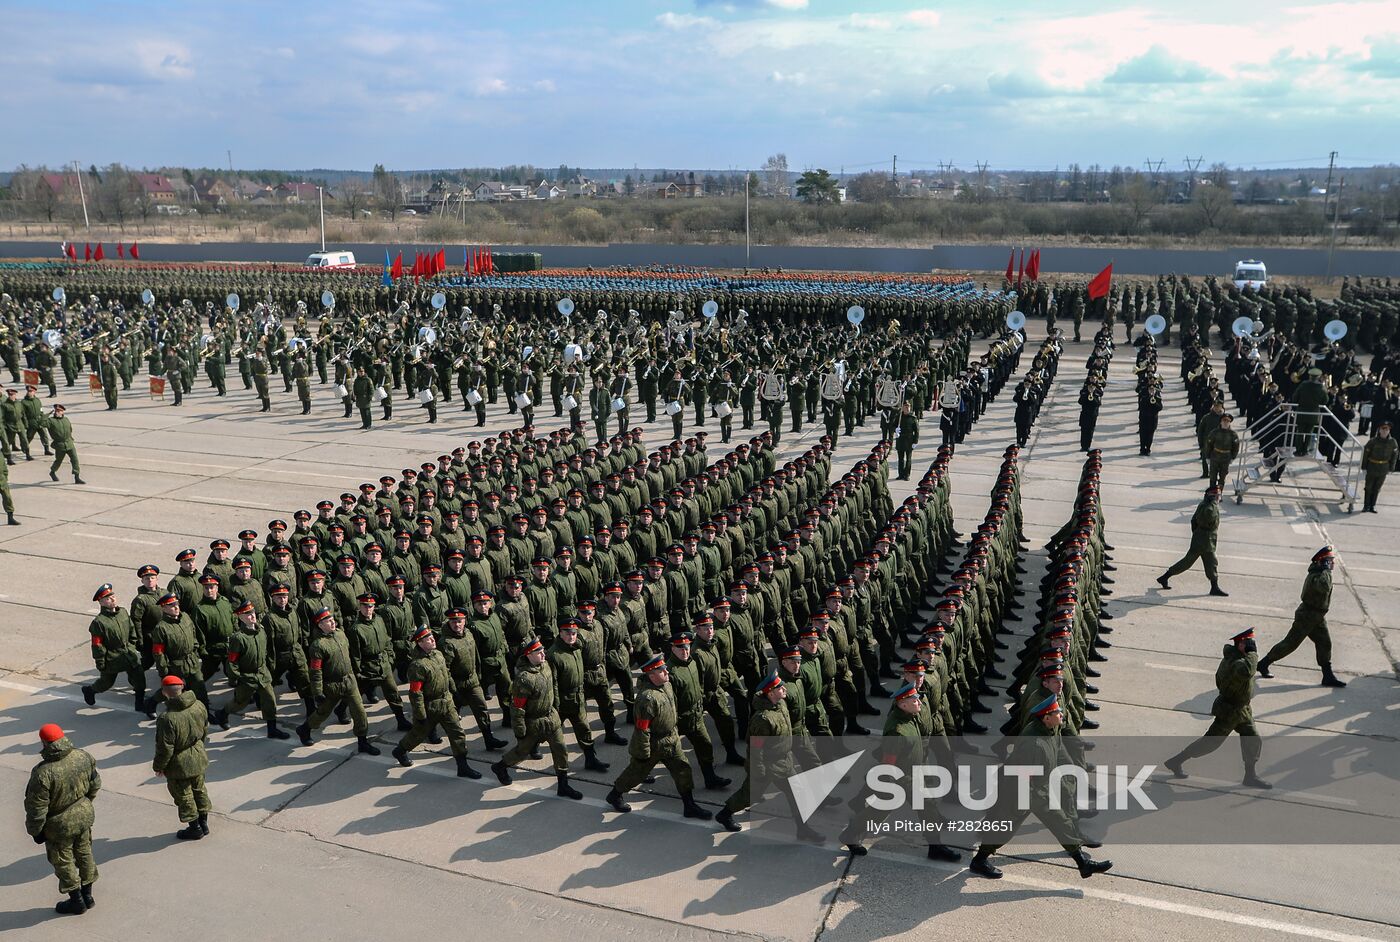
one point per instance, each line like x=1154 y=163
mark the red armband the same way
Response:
x=889 y=758
x=643 y=725
x=96 y=641
x=519 y=702
x=157 y=648
x=316 y=664
x=233 y=657
x=415 y=686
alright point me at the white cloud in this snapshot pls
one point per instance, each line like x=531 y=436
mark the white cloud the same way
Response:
x=869 y=21
x=787 y=4
x=492 y=86
x=788 y=78
x=926 y=18
x=683 y=21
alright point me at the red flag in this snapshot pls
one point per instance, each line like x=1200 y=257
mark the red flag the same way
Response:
x=98 y=256
x=135 y=252
x=396 y=272
x=87 y=251
x=1010 y=264
x=73 y=251
x=1099 y=285
x=490 y=262
x=1033 y=269
x=441 y=261
x=121 y=253
x=1021 y=269
x=471 y=261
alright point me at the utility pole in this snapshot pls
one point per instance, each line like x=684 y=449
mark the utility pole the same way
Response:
x=981 y=178
x=1336 y=211
x=78 y=172
x=321 y=202
x=1191 y=167
x=230 y=161
x=747 y=175
x=1327 y=187
x=894 y=169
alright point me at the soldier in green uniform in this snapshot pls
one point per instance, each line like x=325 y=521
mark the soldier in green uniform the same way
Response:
x=688 y=691
x=534 y=718
x=430 y=696
x=333 y=682
x=115 y=649
x=1378 y=458
x=1208 y=423
x=1039 y=745
x=259 y=381
x=60 y=431
x=770 y=729
x=655 y=739
x=1205 y=524
x=175 y=646
x=1310 y=620
x=372 y=651
x=246 y=664
x=566 y=662
x=180 y=758
x=1220 y=448
x=58 y=813
x=363 y=393
x=1234 y=679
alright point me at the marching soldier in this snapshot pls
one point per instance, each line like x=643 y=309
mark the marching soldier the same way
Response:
x=1234 y=679
x=430 y=696
x=534 y=718
x=655 y=739
x=115 y=649
x=1205 y=524
x=1310 y=620
x=333 y=682
x=1221 y=447
x=60 y=431
x=246 y=664
x=906 y=436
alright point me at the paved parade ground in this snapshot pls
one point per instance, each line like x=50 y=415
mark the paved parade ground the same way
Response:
x=357 y=847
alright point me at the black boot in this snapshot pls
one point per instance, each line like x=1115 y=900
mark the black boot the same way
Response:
x=725 y=819
x=89 y=697
x=1216 y=590
x=1263 y=668
x=401 y=721
x=1251 y=780
x=981 y=866
x=591 y=762
x=220 y=718
x=732 y=757
x=1162 y=581
x=203 y=822
x=692 y=810
x=565 y=790
x=615 y=800
x=73 y=905
x=143 y=705
x=853 y=728
x=87 y=896
x=191 y=832
x=304 y=734
x=1329 y=679
x=501 y=772
x=78 y=480
x=942 y=852
x=362 y=744
x=10 y=519
x=276 y=732
x=712 y=780
x=1173 y=765
x=464 y=769
x=400 y=756
x=1088 y=866
x=611 y=737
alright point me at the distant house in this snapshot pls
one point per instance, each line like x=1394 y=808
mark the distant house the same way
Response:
x=580 y=187
x=64 y=186
x=488 y=190
x=547 y=191
x=251 y=190
x=214 y=192
x=690 y=189
x=156 y=187
x=665 y=190
x=297 y=193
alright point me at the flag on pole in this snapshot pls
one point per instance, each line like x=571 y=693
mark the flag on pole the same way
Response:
x=135 y=252
x=1033 y=269
x=72 y=251
x=441 y=262
x=1021 y=270
x=1099 y=285
x=386 y=279
x=87 y=251
x=121 y=253
x=97 y=256
x=1010 y=264
x=490 y=262
x=397 y=271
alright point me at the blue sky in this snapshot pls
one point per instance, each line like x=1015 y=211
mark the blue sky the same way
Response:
x=699 y=83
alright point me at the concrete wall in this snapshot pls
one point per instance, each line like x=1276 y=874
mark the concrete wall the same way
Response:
x=990 y=258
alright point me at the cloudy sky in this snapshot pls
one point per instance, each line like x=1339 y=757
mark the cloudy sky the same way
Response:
x=699 y=83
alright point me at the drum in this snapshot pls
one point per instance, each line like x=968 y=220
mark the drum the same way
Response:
x=523 y=400
x=673 y=407
x=725 y=410
x=473 y=397
x=570 y=403
x=425 y=396
x=618 y=404
x=341 y=391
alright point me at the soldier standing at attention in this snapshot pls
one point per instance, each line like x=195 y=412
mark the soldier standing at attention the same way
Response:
x=1310 y=620
x=1378 y=459
x=1205 y=524
x=1221 y=447
x=534 y=718
x=58 y=813
x=5 y=499
x=906 y=436
x=655 y=739
x=1234 y=678
x=60 y=431
x=115 y=649
x=180 y=757
x=363 y=393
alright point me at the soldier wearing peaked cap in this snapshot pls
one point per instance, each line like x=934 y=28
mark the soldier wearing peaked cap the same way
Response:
x=535 y=719
x=1234 y=679
x=58 y=813
x=1310 y=620
x=246 y=664
x=115 y=649
x=430 y=696
x=333 y=681
x=1205 y=524
x=655 y=739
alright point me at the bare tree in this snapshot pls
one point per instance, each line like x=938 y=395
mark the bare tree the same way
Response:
x=1139 y=196
x=775 y=171
x=388 y=191
x=354 y=194
x=1213 y=198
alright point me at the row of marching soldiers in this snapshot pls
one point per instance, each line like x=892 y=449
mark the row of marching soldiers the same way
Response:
x=1054 y=672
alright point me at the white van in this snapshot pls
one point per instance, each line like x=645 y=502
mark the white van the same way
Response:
x=1250 y=274
x=330 y=260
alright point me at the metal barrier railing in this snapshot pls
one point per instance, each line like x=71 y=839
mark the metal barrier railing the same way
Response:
x=1287 y=434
